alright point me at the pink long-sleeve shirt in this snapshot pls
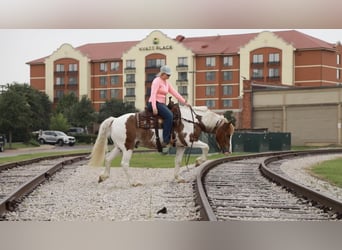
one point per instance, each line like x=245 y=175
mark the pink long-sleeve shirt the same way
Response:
x=160 y=89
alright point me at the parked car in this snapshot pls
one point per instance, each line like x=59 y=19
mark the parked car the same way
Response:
x=76 y=131
x=2 y=143
x=55 y=137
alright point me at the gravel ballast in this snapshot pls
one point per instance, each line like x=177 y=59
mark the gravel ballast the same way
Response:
x=75 y=195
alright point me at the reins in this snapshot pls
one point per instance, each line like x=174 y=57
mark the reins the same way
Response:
x=187 y=156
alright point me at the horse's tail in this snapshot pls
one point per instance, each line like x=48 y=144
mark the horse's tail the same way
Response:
x=100 y=147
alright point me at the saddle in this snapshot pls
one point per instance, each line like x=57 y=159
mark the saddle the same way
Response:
x=146 y=120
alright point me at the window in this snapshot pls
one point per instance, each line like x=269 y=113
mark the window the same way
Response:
x=273 y=73
x=210 y=76
x=102 y=105
x=114 y=80
x=148 y=91
x=59 y=80
x=227 y=75
x=130 y=91
x=114 y=66
x=150 y=77
x=183 y=90
x=338 y=59
x=60 y=67
x=114 y=93
x=227 y=61
x=210 y=91
x=258 y=58
x=257 y=73
x=210 y=103
x=103 y=80
x=130 y=64
x=338 y=74
x=273 y=57
x=182 y=61
x=59 y=94
x=155 y=63
x=103 y=94
x=103 y=67
x=182 y=76
x=227 y=90
x=72 y=81
x=210 y=61
x=227 y=103
x=130 y=78
x=73 y=67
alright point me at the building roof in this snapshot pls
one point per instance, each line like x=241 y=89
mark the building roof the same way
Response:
x=230 y=44
x=105 y=51
x=220 y=44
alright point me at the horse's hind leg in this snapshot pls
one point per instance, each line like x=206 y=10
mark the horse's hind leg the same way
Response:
x=126 y=157
x=110 y=156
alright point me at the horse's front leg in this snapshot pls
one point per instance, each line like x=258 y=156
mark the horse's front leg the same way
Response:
x=178 y=161
x=205 y=150
x=126 y=158
x=108 y=161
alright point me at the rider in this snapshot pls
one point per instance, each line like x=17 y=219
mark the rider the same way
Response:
x=157 y=101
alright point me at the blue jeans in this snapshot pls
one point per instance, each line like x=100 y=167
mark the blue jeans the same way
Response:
x=167 y=115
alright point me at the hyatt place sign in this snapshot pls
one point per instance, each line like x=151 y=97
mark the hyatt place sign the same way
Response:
x=156 y=47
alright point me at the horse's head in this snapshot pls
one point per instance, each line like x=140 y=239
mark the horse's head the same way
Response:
x=224 y=134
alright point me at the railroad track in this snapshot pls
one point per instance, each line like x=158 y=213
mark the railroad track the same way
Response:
x=20 y=178
x=252 y=187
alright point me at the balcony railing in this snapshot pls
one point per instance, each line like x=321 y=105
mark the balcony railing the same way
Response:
x=129 y=98
x=181 y=82
x=72 y=85
x=182 y=67
x=273 y=63
x=257 y=78
x=273 y=78
x=257 y=64
x=130 y=84
x=130 y=70
x=59 y=85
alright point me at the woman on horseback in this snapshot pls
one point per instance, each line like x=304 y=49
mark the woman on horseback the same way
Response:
x=157 y=101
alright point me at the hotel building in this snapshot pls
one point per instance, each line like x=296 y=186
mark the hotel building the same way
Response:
x=206 y=70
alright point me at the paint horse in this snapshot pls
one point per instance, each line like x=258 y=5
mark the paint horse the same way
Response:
x=126 y=135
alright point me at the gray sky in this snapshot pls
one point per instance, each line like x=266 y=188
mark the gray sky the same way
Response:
x=19 y=46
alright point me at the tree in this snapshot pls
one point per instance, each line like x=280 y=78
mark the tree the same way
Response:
x=65 y=105
x=59 y=122
x=15 y=113
x=82 y=113
x=115 y=107
x=40 y=105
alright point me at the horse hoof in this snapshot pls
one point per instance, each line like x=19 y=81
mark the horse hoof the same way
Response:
x=180 y=180
x=102 y=178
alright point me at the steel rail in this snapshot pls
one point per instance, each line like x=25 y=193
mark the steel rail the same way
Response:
x=9 y=202
x=326 y=201
x=38 y=159
x=201 y=199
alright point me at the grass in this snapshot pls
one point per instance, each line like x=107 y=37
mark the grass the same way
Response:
x=19 y=145
x=330 y=171
x=156 y=160
x=29 y=156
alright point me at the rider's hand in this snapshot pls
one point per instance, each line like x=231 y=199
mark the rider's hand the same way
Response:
x=155 y=112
